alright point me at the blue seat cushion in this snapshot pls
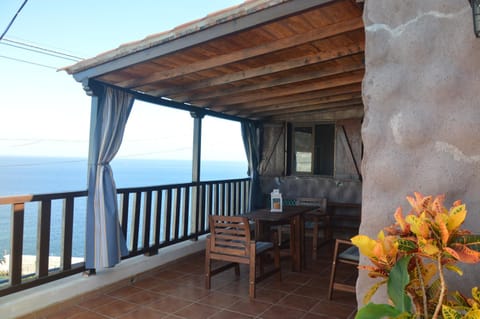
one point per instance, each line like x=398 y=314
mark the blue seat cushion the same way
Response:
x=261 y=246
x=351 y=253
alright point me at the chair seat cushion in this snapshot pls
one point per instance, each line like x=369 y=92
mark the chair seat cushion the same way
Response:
x=261 y=246
x=309 y=225
x=351 y=253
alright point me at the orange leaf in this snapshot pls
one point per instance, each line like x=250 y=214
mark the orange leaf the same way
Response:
x=442 y=227
x=437 y=205
x=401 y=221
x=466 y=254
x=452 y=252
x=426 y=203
x=458 y=202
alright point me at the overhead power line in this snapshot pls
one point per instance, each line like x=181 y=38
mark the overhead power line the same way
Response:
x=13 y=19
x=29 y=62
x=41 y=50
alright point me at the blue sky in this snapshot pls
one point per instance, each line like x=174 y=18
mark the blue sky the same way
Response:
x=46 y=113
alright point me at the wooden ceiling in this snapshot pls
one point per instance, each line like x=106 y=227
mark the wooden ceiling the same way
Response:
x=263 y=60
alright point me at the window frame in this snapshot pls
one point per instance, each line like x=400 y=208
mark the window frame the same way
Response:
x=291 y=148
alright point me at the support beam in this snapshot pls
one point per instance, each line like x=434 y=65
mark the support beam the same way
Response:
x=197 y=145
x=284 y=100
x=196 y=169
x=316 y=75
x=291 y=90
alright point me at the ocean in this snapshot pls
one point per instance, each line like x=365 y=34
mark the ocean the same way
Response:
x=41 y=175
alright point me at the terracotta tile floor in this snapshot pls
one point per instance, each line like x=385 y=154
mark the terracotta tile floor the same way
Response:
x=177 y=291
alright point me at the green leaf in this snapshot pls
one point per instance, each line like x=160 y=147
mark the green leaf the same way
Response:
x=450 y=313
x=472 y=241
x=397 y=281
x=459 y=299
x=406 y=245
x=377 y=311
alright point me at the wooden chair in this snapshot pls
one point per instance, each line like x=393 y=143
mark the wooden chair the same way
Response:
x=316 y=220
x=230 y=241
x=350 y=256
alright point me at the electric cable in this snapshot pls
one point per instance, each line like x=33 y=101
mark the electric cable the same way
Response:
x=40 y=50
x=13 y=19
x=29 y=62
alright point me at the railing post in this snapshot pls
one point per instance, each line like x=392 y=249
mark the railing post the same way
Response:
x=43 y=245
x=16 y=242
x=67 y=231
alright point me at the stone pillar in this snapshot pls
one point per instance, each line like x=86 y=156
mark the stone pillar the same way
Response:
x=421 y=130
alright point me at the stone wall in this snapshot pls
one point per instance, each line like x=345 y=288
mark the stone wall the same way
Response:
x=421 y=130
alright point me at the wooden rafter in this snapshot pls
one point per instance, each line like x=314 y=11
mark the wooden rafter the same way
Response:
x=269 y=48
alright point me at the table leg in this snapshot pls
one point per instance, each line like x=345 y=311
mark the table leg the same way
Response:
x=297 y=246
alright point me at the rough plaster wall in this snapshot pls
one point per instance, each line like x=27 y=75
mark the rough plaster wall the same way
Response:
x=422 y=113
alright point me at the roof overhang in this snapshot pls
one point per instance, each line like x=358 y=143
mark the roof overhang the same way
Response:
x=261 y=60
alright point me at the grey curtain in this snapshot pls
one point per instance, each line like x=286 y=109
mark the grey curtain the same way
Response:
x=105 y=243
x=251 y=141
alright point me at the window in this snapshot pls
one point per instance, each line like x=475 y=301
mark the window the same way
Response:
x=313 y=149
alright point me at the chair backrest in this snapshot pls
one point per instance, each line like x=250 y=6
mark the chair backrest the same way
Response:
x=318 y=202
x=230 y=235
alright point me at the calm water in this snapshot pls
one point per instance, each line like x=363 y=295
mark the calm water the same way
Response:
x=25 y=175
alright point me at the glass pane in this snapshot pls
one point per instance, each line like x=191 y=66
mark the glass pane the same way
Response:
x=223 y=153
x=303 y=149
x=324 y=149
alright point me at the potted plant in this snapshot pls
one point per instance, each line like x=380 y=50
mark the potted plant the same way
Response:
x=411 y=258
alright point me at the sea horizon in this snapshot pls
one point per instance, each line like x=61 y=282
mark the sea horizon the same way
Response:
x=21 y=175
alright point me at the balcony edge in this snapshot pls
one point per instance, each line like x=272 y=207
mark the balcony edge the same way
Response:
x=60 y=291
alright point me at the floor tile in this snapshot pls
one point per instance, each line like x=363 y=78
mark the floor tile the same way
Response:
x=277 y=311
x=299 y=302
x=333 y=308
x=225 y=314
x=250 y=307
x=219 y=299
x=116 y=309
x=97 y=301
x=142 y=298
x=197 y=311
x=169 y=304
x=177 y=291
x=144 y=313
x=124 y=291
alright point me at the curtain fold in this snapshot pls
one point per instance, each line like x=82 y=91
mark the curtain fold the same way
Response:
x=251 y=142
x=105 y=243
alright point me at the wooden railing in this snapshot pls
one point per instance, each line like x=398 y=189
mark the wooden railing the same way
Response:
x=151 y=218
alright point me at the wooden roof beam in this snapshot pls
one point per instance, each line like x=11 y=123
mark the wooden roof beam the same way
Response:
x=264 y=70
x=247 y=98
x=300 y=104
x=282 y=44
x=309 y=108
x=351 y=88
x=333 y=114
x=300 y=77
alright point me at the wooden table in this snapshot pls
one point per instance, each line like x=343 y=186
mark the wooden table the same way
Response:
x=292 y=215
